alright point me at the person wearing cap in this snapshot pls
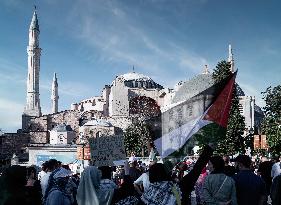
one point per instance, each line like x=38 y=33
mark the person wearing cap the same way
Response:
x=250 y=188
x=57 y=193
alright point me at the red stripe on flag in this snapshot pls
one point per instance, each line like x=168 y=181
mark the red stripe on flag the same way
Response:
x=219 y=110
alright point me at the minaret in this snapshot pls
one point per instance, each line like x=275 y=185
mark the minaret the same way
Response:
x=230 y=58
x=55 y=94
x=32 y=108
x=205 y=70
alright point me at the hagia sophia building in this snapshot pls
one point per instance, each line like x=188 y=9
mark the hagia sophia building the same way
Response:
x=57 y=134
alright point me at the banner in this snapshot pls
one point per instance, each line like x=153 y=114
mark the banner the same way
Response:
x=257 y=144
x=106 y=149
x=80 y=153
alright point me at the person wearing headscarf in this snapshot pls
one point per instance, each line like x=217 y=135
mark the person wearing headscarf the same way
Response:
x=56 y=193
x=88 y=189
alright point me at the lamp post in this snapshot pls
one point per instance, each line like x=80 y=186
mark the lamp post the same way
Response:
x=249 y=135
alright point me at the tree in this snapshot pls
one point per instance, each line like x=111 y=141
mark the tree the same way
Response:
x=233 y=141
x=136 y=138
x=271 y=125
x=146 y=115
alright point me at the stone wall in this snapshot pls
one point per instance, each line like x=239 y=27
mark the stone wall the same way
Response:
x=11 y=143
x=38 y=127
x=39 y=137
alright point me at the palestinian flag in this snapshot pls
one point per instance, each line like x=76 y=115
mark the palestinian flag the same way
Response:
x=207 y=111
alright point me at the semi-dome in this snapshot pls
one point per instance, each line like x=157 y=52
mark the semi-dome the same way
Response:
x=98 y=122
x=62 y=128
x=138 y=80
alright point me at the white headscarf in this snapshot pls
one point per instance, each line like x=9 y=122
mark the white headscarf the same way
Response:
x=87 y=193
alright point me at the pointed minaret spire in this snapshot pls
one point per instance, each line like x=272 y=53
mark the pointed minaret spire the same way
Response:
x=230 y=58
x=133 y=68
x=205 y=70
x=55 y=94
x=32 y=107
x=34 y=22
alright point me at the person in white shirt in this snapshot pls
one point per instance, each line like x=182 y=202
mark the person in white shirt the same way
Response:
x=132 y=158
x=42 y=172
x=276 y=169
x=143 y=180
x=51 y=165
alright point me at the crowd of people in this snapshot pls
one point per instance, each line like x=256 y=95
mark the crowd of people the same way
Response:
x=213 y=179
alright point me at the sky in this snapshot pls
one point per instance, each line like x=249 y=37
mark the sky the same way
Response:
x=90 y=42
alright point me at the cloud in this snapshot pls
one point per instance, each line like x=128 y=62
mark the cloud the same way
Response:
x=69 y=88
x=118 y=35
x=10 y=71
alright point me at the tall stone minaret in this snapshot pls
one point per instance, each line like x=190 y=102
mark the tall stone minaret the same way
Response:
x=32 y=108
x=55 y=94
x=230 y=58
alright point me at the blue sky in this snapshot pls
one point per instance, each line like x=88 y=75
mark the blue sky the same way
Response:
x=89 y=42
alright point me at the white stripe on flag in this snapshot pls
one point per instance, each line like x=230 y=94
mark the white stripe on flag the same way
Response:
x=174 y=140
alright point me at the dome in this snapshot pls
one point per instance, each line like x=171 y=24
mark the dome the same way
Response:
x=138 y=80
x=62 y=128
x=135 y=76
x=98 y=122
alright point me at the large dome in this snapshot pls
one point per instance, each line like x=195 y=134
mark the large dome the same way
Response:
x=135 y=76
x=138 y=80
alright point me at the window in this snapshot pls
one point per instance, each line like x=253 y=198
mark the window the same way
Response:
x=98 y=134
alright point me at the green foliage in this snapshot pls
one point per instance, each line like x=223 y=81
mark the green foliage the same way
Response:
x=136 y=138
x=211 y=133
x=271 y=125
x=222 y=71
x=233 y=141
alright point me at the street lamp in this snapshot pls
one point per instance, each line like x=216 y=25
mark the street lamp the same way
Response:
x=249 y=135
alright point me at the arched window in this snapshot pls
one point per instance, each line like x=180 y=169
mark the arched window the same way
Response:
x=98 y=134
